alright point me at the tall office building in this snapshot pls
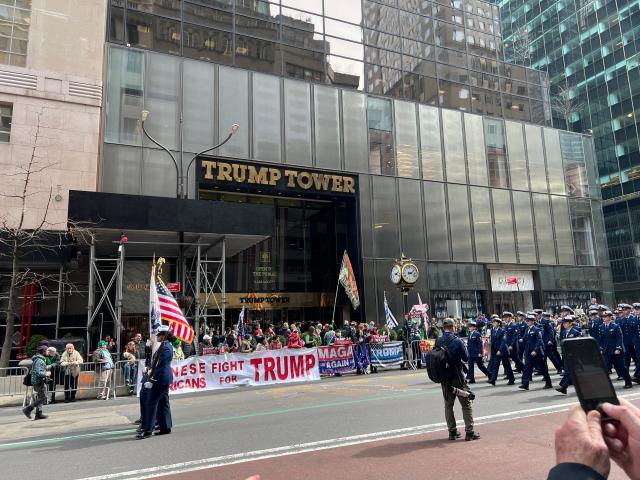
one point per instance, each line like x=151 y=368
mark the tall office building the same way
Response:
x=590 y=51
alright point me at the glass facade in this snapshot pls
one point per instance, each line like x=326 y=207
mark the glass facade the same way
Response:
x=447 y=54
x=590 y=52
x=15 y=18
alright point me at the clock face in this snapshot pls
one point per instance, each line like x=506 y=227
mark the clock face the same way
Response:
x=410 y=273
x=396 y=274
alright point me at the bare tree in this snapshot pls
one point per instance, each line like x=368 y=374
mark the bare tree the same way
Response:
x=565 y=103
x=521 y=46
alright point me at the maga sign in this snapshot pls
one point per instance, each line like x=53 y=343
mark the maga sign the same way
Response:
x=336 y=359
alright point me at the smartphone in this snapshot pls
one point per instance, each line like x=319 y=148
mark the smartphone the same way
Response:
x=588 y=373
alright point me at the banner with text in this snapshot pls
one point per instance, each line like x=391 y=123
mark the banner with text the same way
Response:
x=213 y=372
x=388 y=354
x=336 y=359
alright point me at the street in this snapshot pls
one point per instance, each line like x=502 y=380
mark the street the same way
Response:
x=366 y=426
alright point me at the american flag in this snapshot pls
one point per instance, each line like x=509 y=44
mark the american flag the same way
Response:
x=170 y=312
x=388 y=315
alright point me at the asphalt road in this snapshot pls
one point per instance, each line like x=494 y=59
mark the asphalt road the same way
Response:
x=95 y=439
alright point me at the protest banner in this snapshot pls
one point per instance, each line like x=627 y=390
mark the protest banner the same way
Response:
x=213 y=372
x=385 y=355
x=336 y=359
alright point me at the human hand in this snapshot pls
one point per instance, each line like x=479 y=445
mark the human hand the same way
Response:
x=510 y=349
x=549 y=343
x=533 y=354
x=623 y=437
x=617 y=352
x=148 y=384
x=580 y=440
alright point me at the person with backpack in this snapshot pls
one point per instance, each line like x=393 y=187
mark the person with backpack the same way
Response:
x=39 y=376
x=445 y=361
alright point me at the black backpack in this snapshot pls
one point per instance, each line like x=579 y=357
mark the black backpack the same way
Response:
x=439 y=367
x=26 y=381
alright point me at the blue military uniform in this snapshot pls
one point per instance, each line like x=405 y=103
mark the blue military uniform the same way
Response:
x=594 y=323
x=613 y=348
x=522 y=327
x=550 y=341
x=629 y=325
x=499 y=354
x=474 y=348
x=567 y=331
x=533 y=344
x=156 y=406
x=511 y=337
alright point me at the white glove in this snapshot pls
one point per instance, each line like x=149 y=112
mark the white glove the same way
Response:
x=148 y=384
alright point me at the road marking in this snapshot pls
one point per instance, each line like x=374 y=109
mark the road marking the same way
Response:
x=224 y=460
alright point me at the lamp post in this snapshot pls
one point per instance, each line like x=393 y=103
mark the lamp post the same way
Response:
x=182 y=186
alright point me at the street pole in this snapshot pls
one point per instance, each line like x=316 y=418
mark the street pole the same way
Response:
x=143 y=118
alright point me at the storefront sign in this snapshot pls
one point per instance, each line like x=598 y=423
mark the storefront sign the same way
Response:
x=214 y=372
x=511 y=281
x=248 y=177
x=174 y=286
x=270 y=301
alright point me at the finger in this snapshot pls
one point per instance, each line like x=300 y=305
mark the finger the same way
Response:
x=614 y=445
x=610 y=430
x=630 y=406
x=594 y=422
x=624 y=414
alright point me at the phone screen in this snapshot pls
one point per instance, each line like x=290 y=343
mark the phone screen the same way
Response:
x=590 y=378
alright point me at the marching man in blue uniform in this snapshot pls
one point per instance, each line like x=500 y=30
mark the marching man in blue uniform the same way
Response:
x=499 y=353
x=594 y=323
x=474 y=349
x=534 y=354
x=629 y=325
x=511 y=337
x=612 y=347
x=549 y=337
x=521 y=322
x=159 y=377
x=568 y=331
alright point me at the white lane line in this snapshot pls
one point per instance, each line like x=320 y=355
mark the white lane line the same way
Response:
x=206 y=463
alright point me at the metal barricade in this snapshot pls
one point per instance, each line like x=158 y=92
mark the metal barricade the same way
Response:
x=11 y=383
x=91 y=377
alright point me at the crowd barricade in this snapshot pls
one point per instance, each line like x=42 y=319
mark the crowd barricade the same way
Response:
x=387 y=354
x=92 y=380
x=11 y=383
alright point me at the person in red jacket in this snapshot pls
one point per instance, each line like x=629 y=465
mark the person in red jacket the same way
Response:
x=295 y=341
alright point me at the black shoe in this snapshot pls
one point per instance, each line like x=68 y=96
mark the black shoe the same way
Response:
x=524 y=387
x=471 y=381
x=547 y=386
x=73 y=399
x=562 y=390
x=518 y=371
x=471 y=436
x=40 y=416
x=619 y=378
x=27 y=412
x=166 y=431
x=492 y=382
x=636 y=380
x=511 y=382
x=143 y=435
x=454 y=435
x=628 y=385
x=67 y=400
x=138 y=421
x=559 y=372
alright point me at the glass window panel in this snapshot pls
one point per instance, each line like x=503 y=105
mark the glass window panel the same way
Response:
x=544 y=229
x=380 y=121
x=562 y=224
x=583 y=231
x=370 y=302
x=496 y=153
x=599 y=233
x=406 y=139
x=411 y=219
x=167 y=8
x=459 y=222
x=517 y=156
x=124 y=96
x=303 y=38
x=258 y=54
x=266 y=118
x=257 y=8
x=592 y=167
x=345 y=72
x=311 y=24
x=384 y=81
x=436 y=220
x=302 y=64
x=198 y=89
x=347 y=11
x=153 y=33
x=204 y=43
x=428 y=90
x=345 y=48
x=233 y=88
x=297 y=122
x=535 y=156
x=504 y=226
x=210 y=17
x=482 y=224
x=419 y=28
x=158 y=178
x=122 y=169
x=366 y=225
x=516 y=108
x=116 y=25
x=554 y=161
x=354 y=131
x=384 y=285
x=327 y=127
x=314 y=6
x=385 y=218
x=524 y=227
x=453 y=146
x=486 y=102
x=380 y=17
x=454 y=95
x=575 y=169
x=430 y=144
x=162 y=99
x=257 y=27
x=476 y=161
x=343 y=30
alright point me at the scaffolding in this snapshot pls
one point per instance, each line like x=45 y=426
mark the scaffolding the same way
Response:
x=203 y=277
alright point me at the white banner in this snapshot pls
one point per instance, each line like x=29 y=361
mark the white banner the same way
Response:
x=511 y=281
x=213 y=372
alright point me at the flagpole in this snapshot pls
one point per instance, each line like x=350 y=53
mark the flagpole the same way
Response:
x=335 y=301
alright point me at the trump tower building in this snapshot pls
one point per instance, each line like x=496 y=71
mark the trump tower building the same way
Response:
x=372 y=127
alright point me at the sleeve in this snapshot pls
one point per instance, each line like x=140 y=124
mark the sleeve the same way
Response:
x=164 y=360
x=573 y=471
x=464 y=355
x=65 y=360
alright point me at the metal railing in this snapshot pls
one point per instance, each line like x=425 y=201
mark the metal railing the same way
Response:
x=11 y=383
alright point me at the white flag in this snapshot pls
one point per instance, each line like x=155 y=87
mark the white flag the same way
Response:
x=388 y=315
x=154 y=308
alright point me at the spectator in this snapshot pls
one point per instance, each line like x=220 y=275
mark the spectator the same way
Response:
x=329 y=335
x=260 y=345
x=104 y=368
x=311 y=338
x=245 y=344
x=111 y=344
x=295 y=341
x=140 y=346
x=275 y=343
x=38 y=381
x=53 y=366
x=187 y=349
x=70 y=362
x=206 y=347
x=130 y=354
x=178 y=354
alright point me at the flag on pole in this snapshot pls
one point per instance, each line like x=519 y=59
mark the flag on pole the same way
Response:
x=154 y=307
x=388 y=315
x=240 y=326
x=348 y=281
x=170 y=311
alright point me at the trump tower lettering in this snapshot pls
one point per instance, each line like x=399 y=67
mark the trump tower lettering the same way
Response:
x=336 y=359
x=215 y=372
x=385 y=355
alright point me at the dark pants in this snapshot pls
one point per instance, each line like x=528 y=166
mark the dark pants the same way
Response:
x=476 y=361
x=554 y=356
x=630 y=354
x=39 y=396
x=539 y=362
x=618 y=363
x=513 y=355
x=156 y=405
x=465 y=403
x=494 y=366
x=70 y=387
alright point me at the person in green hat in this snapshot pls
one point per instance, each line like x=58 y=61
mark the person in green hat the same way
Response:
x=178 y=354
x=104 y=368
